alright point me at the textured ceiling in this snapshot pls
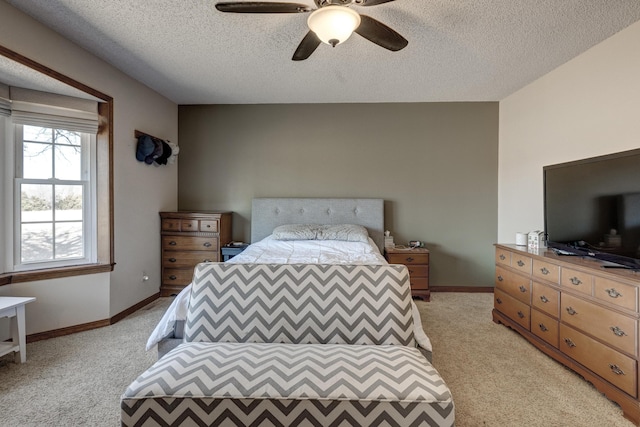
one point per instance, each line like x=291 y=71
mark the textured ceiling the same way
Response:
x=459 y=50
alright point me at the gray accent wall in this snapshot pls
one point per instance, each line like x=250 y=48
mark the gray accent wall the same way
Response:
x=434 y=164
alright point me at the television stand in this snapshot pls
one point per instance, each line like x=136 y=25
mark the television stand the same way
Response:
x=575 y=311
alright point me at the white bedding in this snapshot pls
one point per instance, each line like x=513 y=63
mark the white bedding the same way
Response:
x=272 y=251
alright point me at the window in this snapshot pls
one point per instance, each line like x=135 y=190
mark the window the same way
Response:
x=53 y=197
x=69 y=208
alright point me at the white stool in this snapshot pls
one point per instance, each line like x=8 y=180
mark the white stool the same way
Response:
x=13 y=308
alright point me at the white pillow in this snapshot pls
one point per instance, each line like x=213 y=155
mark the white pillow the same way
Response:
x=345 y=232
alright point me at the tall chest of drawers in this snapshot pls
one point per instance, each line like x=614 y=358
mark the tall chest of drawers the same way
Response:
x=578 y=312
x=189 y=238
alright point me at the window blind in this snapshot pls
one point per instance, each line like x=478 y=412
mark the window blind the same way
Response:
x=52 y=110
x=5 y=102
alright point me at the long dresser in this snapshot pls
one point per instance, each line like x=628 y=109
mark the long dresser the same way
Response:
x=189 y=238
x=576 y=311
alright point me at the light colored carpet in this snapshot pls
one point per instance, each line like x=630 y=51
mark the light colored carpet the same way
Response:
x=496 y=377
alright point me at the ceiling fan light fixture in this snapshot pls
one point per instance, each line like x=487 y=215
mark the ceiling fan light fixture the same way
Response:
x=333 y=24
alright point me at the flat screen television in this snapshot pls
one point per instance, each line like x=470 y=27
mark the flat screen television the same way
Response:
x=592 y=208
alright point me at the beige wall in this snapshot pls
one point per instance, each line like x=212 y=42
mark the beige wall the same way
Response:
x=140 y=191
x=589 y=106
x=435 y=165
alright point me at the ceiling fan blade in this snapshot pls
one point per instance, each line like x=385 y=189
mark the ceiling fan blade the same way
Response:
x=373 y=2
x=262 y=7
x=378 y=33
x=307 y=46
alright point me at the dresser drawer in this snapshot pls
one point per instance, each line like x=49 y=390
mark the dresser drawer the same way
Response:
x=408 y=258
x=547 y=271
x=614 y=367
x=176 y=276
x=545 y=327
x=187 y=243
x=617 y=293
x=512 y=308
x=173 y=259
x=545 y=299
x=503 y=257
x=576 y=280
x=613 y=328
x=211 y=226
x=171 y=224
x=521 y=263
x=514 y=284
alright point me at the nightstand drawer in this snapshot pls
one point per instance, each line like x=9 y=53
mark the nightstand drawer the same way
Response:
x=184 y=243
x=419 y=283
x=408 y=258
x=418 y=271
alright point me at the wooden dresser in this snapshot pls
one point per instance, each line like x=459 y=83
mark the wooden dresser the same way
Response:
x=189 y=238
x=576 y=311
x=417 y=261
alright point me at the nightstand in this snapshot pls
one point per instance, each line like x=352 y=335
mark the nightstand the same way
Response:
x=417 y=261
x=229 y=251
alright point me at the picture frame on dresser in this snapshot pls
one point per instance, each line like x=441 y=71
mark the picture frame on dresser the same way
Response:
x=187 y=239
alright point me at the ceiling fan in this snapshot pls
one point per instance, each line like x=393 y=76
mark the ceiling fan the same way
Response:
x=332 y=22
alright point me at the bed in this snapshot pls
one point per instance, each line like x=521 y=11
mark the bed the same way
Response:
x=269 y=214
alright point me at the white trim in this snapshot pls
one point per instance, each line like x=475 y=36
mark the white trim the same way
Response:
x=89 y=214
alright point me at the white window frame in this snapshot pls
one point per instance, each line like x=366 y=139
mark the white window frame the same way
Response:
x=88 y=182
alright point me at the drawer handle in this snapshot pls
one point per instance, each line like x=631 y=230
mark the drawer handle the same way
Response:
x=520 y=263
x=575 y=281
x=523 y=289
x=544 y=271
x=571 y=311
x=498 y=300
x=409 y=259
x=206 y=245
x=520 y=314
x=206 y=260
x=208 y=225
x=172 y=277
x=616 y=330
x=172 y=260
x=500 y=278
x=172 y=243
x=544 y=299
x=615 y=369
x=613 y=293
x=569 y=342
x=502 y=257
x=543 y=328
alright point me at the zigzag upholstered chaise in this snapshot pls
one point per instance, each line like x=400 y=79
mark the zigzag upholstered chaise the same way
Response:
x=293 y=345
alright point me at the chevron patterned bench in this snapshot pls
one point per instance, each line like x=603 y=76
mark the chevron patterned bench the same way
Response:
x=293 y=345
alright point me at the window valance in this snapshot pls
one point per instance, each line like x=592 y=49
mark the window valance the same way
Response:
x=26 y=106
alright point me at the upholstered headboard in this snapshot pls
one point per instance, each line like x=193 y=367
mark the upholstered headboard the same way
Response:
x=268 y=213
